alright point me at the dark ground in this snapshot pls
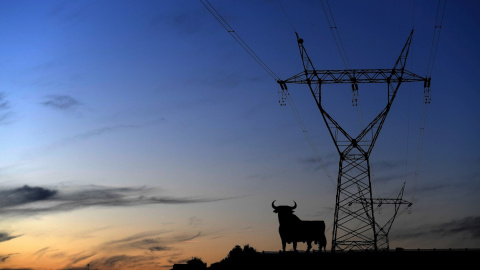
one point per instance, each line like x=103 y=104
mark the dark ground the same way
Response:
x=406 y=259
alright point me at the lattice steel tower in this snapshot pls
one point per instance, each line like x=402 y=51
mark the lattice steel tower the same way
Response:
x=355 y=227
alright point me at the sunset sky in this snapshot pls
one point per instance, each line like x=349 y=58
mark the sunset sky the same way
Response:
x=140 y=134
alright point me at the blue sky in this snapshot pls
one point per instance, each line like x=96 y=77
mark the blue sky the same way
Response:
x=142 y=133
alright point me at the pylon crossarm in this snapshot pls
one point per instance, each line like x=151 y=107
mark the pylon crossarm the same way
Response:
x=339 y=76
x=382 y=201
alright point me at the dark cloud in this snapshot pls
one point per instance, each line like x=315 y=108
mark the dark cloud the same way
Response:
x=34 y=200
x=60 y=102
x=4 y=236
x=468 y=227
x=24 y=195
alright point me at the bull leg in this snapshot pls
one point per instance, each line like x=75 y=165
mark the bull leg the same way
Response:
x=324 y=243
x=283 y=245
x=309 y=246
x=294 y=246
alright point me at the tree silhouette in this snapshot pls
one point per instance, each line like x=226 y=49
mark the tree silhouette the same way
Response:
x=196 y=263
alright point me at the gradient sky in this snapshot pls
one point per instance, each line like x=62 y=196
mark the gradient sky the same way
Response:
x=138 y=133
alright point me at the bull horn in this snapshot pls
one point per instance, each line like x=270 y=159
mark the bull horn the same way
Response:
x=273 y=205
x=295 y=206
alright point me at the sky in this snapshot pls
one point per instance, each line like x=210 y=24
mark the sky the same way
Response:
x=140 y=134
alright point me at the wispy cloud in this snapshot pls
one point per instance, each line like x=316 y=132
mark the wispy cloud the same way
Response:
x=5 y=111
x=468 y=227
x=76 y=258
x=159 y=248
x=329 y=160
x=4 y=258
x=84 y=136
x=4 y=236
x=28 y=200
x=195 y=221
x=152 y=241
x=154 y=245
x=60 y=102
x=136 y=237
x=137 y=262
x=182 y=20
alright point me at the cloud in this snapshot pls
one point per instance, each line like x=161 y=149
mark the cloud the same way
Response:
x=136 y=237
x=28 y=200
x=328 y=161
x=429 y=188
x=149 y=241
x=3 y=103
x=125 y=261
x=159 y=248
x=85 y=136
x=24 y=195
x=76 y=258
x=5 y=112
x=389 y=177
x=154 y=244
x=468 y=227
x=186 y=238
x=60 y=102
x=387 y=165
x=4 y=236
x=3 y=258
x=195 y=221
x=184 y=20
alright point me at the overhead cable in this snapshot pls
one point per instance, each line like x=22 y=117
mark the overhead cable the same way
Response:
x=238 y=39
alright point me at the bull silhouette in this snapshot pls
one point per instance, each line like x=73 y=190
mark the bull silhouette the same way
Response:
x=293 y=230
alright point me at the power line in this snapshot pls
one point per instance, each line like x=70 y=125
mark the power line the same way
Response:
x=327 y=10
x=262 y=64
x=431 y=61
x=299 y=119
x=288 y=18
x=436 y=36
x=237 y=38
x=336 y=34
x=309 y=139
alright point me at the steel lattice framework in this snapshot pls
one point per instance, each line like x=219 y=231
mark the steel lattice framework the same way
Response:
x=355 y=227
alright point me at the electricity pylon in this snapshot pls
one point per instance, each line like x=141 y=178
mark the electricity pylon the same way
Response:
x=355 y=227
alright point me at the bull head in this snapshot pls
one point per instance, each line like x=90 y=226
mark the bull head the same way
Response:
x=276 y=208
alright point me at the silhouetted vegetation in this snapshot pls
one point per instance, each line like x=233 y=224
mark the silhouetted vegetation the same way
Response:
x=247 y=258
x=194 y=263
x=237 y=258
